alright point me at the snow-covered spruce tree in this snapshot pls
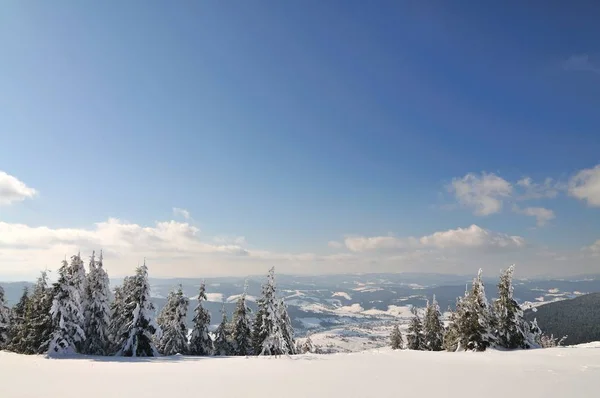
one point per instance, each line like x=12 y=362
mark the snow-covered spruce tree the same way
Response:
x=275 y=329
x=5 y=320
x=17 y=333
x=396 y=339
x=200 y=342
x=120 y=316
x=511 y=327
x=414 y=335
x=433 y=327
x=223 y=339
x=67 y=314
x=307 y=347
x=286 y=327
x=258 y=332
x=172 y=323
x=475 y=321
x=139 y=333
x=452 y=335
x=242 y=332
x=78 y=279
x=39 y=325
x=97 y=314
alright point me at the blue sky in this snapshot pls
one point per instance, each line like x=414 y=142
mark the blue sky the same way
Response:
x=295 y=124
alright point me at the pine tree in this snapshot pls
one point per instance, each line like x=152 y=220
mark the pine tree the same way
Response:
x=139 y=333
x=433 y=327
x=66 y=312
x=17 y=332
x=200 y=342
x=39 y=325
x=511 y=327
x=474 y=319
x=97 y=314
x=242 y=333
x=414 y=336
x=223 y=340
x=396 y=338
x=5 y=320
x=276 y=334
x=172 y=323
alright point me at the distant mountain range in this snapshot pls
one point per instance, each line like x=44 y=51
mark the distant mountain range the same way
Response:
x=578 y=319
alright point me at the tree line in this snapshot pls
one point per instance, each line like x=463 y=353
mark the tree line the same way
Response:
x=475 y=325
x=80 y=314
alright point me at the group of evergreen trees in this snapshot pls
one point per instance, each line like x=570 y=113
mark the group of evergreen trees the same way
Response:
x=475 y=324
x=76 y=315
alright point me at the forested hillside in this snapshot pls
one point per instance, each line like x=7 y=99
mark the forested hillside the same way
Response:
x=578 y=318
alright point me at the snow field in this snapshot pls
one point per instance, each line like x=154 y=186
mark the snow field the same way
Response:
x=556 y=372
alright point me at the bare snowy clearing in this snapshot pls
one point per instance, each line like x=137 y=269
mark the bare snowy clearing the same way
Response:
x=557 y=372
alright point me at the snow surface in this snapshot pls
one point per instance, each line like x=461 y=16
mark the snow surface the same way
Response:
x=342 y=294
x=556 y=372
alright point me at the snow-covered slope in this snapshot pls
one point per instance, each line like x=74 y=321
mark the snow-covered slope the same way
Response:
x=558 y=372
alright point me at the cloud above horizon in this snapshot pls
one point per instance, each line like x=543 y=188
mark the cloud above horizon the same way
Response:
x=13 y=190
x=581 y=63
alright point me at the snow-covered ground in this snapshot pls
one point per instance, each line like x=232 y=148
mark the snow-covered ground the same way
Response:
x=557 y=372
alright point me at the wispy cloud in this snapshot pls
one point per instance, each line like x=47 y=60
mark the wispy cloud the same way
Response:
x=484 y=193
x=585 y=185
x=541 y=214
x=472 y=237
x=13 y=190
x=178 y=212
x=582 y=63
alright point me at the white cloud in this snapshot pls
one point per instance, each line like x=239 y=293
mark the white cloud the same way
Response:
x=581 y=62
x=363 y=244
x=532 y=190
x=594 y=248
x=483 y=193
x=13 y=190
x=471 y=237
x=177 y=212
x=585 y=185
x=335 y=244
x=541 y=214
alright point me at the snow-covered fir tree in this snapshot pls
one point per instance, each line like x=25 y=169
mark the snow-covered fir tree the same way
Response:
x=307 y=347
x=474 y=321
x=451 y=335
x=286 y=327
x=414 y=335
x=66 y=311
x=172 y=323
x=433 y=327
x=5 y=320
x=258 y=332
x=242 y=332
x=223 y=339
x=39 y=325
x=511 y=327
x=97 y=313
x=139 y=333
x=396 y=339
x=17 y=334
x=275 y=334
x=200 y=342
x=121 y=315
